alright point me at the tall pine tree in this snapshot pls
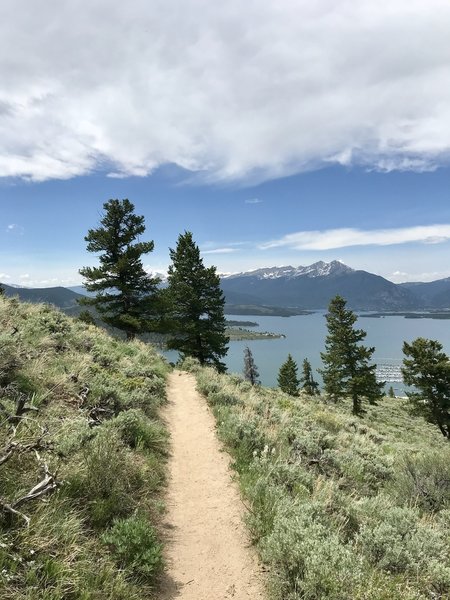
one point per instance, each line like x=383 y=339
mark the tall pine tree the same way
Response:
x=127 y=297
x=309 y=385
x=347 y=372
x=250 y=369
x=288 y=381
x=196 y=320
x=427 y=368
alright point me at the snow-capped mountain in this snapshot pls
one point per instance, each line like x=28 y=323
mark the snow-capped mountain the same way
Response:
x=313 y=286
x=317 y=269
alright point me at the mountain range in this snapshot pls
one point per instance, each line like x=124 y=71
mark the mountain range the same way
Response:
x=303 y=288
x=313 y=286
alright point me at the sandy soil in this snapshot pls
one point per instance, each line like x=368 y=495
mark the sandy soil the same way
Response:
x=208 y=555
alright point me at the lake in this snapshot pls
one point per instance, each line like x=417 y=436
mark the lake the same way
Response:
x=305 y=338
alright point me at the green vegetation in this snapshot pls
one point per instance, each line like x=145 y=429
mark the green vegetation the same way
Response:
x=239 y=334
x=346 y=371
x=82 y=459
x=445 y=314
x=309 y=384
x=126 y=297
x=338 y=507
x=257 y=309
x=427 y=368
x=250 y=369
x=195 y=302
x=288 y=381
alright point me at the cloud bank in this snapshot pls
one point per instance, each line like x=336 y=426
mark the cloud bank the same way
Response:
x=346 y=237
x=233 y=91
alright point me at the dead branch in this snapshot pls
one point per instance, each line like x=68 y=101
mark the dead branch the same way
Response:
x=83 y=394
x=97 y=415
x=47 y=485
x=18 y=448
x=8 y=508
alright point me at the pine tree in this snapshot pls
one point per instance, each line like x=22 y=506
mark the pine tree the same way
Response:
x=428 y=370
x=347 y=372
x=250 y=369
x=196 y=306
x=287 y=377
x=310 y=386
x=127 y=297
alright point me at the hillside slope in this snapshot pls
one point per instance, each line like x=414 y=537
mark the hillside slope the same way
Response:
x=82 y=459
x=338 y=507
x=313 y=287
x=434 y=294
x=59 y=296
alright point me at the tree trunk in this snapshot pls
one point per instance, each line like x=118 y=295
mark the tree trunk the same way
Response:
x=356 y=405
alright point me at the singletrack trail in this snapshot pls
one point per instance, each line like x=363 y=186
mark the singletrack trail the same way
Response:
x=208 y=554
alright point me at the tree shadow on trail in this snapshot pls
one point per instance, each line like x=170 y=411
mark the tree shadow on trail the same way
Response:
x=169 y=589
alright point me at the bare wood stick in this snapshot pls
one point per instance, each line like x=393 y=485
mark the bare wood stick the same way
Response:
x=8 y=508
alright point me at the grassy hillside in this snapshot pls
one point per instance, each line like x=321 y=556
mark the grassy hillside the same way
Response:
x=59 y=296
x=81 y=459
x=338 y=507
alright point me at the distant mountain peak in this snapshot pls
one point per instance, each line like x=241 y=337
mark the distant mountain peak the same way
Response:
x=317 y=269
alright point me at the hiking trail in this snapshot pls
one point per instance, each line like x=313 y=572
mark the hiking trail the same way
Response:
x=208 y=553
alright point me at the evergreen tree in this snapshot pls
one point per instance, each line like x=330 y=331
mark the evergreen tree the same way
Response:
x=86 y=316
x=391 y=392
x=250 y=369
x=126 y=297
x=196 y=306
x=347 y=372
x=287 y=377
x=428 y=370
x=310 y=386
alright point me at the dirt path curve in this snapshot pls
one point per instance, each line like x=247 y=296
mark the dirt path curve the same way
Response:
x=208 y=555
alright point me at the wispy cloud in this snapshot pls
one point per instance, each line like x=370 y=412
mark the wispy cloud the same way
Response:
x=14 y=228
x=226 y=250
x=402 y=276
x=341 y=238
x=4 y=276
x=253 y=201
x=267 y=88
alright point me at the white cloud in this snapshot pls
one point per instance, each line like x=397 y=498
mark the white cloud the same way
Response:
x=233 y=90
x=253 y=201
x=220 y=251
x=4 y=276
x=24 y=276
x=345 y=237
x=14 y=228
x=402 y=276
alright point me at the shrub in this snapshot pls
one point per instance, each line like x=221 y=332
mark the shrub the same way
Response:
x=106 y=478
x=423 y=480
x=9 y=358
x=311 y=561
x=189 y=363
x=395 y=539
x=134 y=544
x=137 y=430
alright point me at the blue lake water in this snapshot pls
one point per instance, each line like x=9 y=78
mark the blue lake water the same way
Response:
x=305 y=338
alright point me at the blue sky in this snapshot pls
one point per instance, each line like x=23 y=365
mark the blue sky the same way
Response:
x=279 y=132
x=43 y=224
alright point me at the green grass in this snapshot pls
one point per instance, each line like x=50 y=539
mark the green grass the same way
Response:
x=338 y=507
x=95 y=424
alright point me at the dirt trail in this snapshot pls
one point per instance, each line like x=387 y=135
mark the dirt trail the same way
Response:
x=208 y=556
